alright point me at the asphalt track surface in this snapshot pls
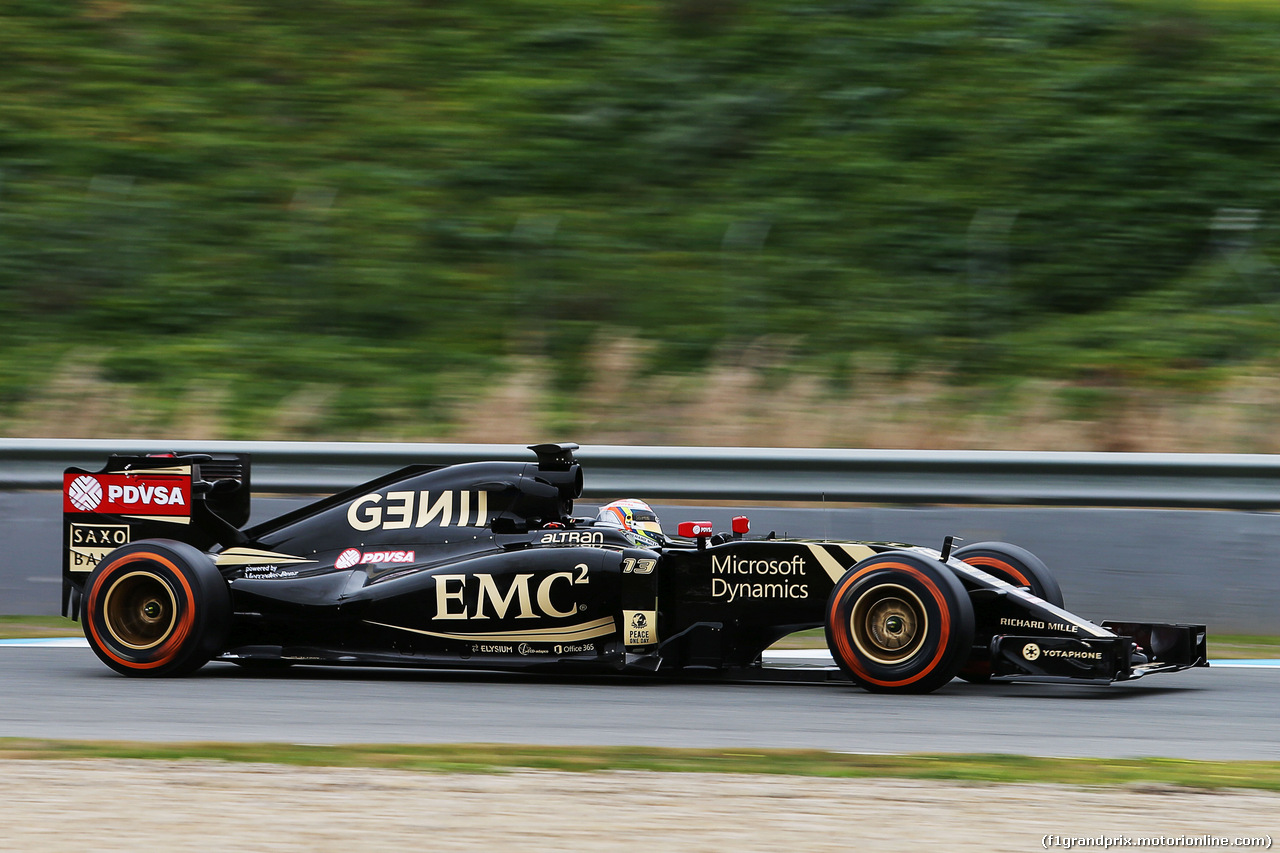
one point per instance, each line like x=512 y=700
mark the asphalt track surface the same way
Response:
x=65 y=692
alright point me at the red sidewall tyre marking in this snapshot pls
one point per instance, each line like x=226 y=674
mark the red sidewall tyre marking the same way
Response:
x=171 y=646
x=842 y=638
x=996 y=563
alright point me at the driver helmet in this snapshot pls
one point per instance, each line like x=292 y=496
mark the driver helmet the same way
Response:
x=635 y=518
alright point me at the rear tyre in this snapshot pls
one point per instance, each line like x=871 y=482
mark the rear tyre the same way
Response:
x=156 y=608
x=1013 y=565
x=899 y=623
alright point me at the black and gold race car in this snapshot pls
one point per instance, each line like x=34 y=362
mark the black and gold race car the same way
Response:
x=483 y=566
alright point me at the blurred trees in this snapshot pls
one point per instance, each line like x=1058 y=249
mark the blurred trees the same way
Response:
x=372 y=194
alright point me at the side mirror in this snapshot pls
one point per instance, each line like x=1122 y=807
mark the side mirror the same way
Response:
x=699 y=530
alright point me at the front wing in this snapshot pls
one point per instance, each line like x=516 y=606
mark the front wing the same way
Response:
x=1138 y=649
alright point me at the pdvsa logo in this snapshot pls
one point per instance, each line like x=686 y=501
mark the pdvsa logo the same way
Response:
x=144 y=494
x=127 y=494
x=355 y=557
x=85 y=494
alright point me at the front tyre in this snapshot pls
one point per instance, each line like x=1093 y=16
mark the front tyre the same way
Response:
x=1013 y=565
x=899 y=623
x=156 y=608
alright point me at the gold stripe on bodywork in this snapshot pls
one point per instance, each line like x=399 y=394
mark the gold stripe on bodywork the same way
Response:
x=171 y=519
x=829 y=563
x=858 y=552
x=254 y=557
x=566 y=634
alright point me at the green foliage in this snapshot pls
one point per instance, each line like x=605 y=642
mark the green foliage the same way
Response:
x=373 y=194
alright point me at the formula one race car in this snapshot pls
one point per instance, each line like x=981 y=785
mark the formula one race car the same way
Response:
x=483 y=566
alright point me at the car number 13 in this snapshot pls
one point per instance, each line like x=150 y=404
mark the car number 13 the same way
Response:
x=640 y=567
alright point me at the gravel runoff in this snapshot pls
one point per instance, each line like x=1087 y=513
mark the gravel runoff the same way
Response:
x=105 y=805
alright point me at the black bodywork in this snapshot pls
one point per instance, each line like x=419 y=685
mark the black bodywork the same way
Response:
x=483 y=566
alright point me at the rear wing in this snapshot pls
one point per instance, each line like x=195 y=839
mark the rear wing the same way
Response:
x=198 y=498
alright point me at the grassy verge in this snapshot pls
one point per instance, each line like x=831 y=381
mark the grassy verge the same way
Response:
x=1243 y=647
x=22 y=627
x=1224 y=647
x=496 y=758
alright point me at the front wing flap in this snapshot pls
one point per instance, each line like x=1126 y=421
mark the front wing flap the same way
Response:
x=1138 y=649
x=1167 y=648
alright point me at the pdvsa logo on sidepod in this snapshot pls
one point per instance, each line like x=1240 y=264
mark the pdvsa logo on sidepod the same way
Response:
x=354 y=557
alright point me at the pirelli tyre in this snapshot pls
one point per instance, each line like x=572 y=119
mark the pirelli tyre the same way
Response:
x=899 y=623
x=1013 y=565
x=156 y=608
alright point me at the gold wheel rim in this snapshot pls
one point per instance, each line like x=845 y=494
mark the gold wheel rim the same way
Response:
x=889 y=624
x=140 y=610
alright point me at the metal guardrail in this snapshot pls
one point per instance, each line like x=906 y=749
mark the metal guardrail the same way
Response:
x=1218 y=481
